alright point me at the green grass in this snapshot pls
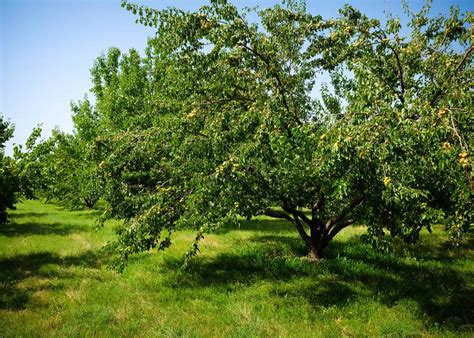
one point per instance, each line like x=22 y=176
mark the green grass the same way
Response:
x=248 y=281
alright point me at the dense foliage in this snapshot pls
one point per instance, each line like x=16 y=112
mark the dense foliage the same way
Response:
x=9 y=184
x=25 y=175
x=224 y=116
x=55 y=169
x=69 y=175
x=61 y=168
x=221 y=120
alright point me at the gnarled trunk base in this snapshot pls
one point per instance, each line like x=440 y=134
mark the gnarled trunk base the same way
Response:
x=314 y=254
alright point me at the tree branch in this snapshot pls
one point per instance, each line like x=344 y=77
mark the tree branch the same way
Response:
x=381 y=36
x=281 y=88
x=305 y=218
x=301 y=229
x=278 y=214
x=297 y=221
x=400 y=75
x=339 y=217
x=336 y=229
x=318 y=205
x=280 y=84
x=439 y=92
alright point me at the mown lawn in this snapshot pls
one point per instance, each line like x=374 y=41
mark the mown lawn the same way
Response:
x=248 y=281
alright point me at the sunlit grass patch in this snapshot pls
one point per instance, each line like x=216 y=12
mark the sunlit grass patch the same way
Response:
x=247 y=281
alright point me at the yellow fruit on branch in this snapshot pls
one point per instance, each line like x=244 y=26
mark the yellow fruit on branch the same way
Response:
x=464 y=162
x=358 y=42
x=204 y=22
x=441 y=113
x=192 y=114
x=387 y=181
x=447 y=146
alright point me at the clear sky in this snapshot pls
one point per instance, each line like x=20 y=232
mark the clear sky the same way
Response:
x=48 y=46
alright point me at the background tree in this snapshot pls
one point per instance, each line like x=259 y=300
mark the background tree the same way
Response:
x=9 y=183
x=65 y=163
x=219 y=119
x=24 y=174
x=31 y=161
x=70 y=177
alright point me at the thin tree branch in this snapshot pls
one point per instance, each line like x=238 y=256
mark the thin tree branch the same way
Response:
x=278 y=214
x=340 y=217
x=280 y=84
x=336 y=229
x=318 y=205
x=301 y=229
x=456 y=131
x=400 y=74
x=381 y=35
x=281 y=88
x=439 y=92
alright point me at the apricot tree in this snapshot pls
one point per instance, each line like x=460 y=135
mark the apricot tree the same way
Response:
x=233 y=125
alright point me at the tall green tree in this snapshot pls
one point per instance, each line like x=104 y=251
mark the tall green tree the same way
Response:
x=65 y=163
x=23 y=175
x=9 y=183
x=219 y=119
x=69 y=175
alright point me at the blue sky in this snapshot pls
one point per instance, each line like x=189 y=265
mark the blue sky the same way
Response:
x=48 y=46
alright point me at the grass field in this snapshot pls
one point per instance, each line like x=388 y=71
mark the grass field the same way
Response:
x=248 y=281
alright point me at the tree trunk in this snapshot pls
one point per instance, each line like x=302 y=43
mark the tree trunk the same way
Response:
x=321 y=233
x=314 y=254
x=90 y=202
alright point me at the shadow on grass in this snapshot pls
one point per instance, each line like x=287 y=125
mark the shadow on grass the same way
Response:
x=44 y=265
x=431 y=280
x=48 y=270
x=86 y=213
x=28 y=214
x=13 y=229
x=258 y=225
x=80 y=212
x=351 y=271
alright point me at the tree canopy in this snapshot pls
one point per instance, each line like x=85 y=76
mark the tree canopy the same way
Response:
x=9 y=184
x=224 y=116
